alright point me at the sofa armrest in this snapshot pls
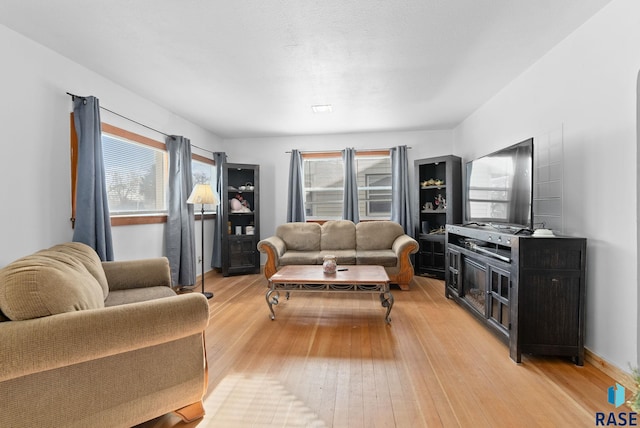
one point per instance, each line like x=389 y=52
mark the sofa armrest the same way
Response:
x=123 y=275
x=69 y=338
x=405 y=243
x=274 y=247
x=404 y=246
x=275 y=243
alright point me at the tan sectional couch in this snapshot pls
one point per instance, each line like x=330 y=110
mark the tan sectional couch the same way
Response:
x=382 y=243
x=92 y=344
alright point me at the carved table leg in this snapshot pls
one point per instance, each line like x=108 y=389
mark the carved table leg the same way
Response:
x=272 y=300
x=386 y=298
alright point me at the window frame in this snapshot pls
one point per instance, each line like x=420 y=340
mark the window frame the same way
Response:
x=372 y=192
x=123 y=220
x=338 y=154
x=324 y=156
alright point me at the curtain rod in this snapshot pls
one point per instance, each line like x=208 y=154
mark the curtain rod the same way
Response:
x=138 y=123
x=338 y=151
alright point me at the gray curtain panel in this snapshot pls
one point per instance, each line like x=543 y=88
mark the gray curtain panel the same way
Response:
x=180 y=235
x=93 y=223
x=220 y=158
x=350 y=210
x=401 y=189
x=295 y=203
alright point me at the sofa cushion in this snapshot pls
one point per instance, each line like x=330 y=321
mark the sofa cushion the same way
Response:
x=89 y=258
x=377 y=235
x=300 y=236
x=343 y=257
x=128 y=274
x=47 y=283
x=386 y=258
x=338 y=235
x=134 y=295
x=300 y=258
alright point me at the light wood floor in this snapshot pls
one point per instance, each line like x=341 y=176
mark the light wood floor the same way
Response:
x=330 y=360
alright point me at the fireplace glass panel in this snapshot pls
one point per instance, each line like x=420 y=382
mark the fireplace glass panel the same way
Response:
x=475 y=285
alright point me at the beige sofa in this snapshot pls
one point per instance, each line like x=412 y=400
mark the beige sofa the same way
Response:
x=91 y=344
x=381 y=243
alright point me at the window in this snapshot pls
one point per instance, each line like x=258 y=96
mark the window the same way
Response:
x=374 y=186
x=136 y=176
x=378 y=195
x=204 y=172
x=323 y=187
x=136 y=173
x=324 y=178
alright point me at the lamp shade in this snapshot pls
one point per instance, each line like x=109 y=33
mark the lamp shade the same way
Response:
x=202 y=194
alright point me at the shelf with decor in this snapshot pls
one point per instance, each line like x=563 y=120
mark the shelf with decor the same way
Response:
x=241 y=215
x=438 y=203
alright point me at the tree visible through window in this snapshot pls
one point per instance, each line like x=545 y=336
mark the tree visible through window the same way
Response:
x=136 y=176
x=204 y=172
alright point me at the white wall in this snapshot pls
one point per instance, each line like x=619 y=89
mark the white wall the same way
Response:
x=270 y=154
x=35 y=166
x=585 y=86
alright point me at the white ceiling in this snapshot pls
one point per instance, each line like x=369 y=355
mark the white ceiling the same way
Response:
x=255 y=67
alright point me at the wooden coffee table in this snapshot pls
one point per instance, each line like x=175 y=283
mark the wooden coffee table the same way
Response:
x=311 y=278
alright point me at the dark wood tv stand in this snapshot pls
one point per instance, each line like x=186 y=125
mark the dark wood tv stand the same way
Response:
x=529 y=290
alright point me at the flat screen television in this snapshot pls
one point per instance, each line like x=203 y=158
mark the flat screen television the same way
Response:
x=499 y=188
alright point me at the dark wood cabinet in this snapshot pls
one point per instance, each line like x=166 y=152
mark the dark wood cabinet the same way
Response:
x=530 y=291
x=439 y=192
x=241 y=225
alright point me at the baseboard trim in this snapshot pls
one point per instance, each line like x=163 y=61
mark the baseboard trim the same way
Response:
x=623 y=378
x=208 y=274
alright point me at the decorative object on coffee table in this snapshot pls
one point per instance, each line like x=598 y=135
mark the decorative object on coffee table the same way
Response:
x=329 y=264
x=202 y=194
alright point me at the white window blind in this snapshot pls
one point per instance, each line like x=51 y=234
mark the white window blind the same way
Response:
x=136 y=176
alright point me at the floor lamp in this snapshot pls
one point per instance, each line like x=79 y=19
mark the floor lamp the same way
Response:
x=202 y=194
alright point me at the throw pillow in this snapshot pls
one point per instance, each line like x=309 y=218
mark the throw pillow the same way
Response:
x=89 y=258
x=47 y=283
